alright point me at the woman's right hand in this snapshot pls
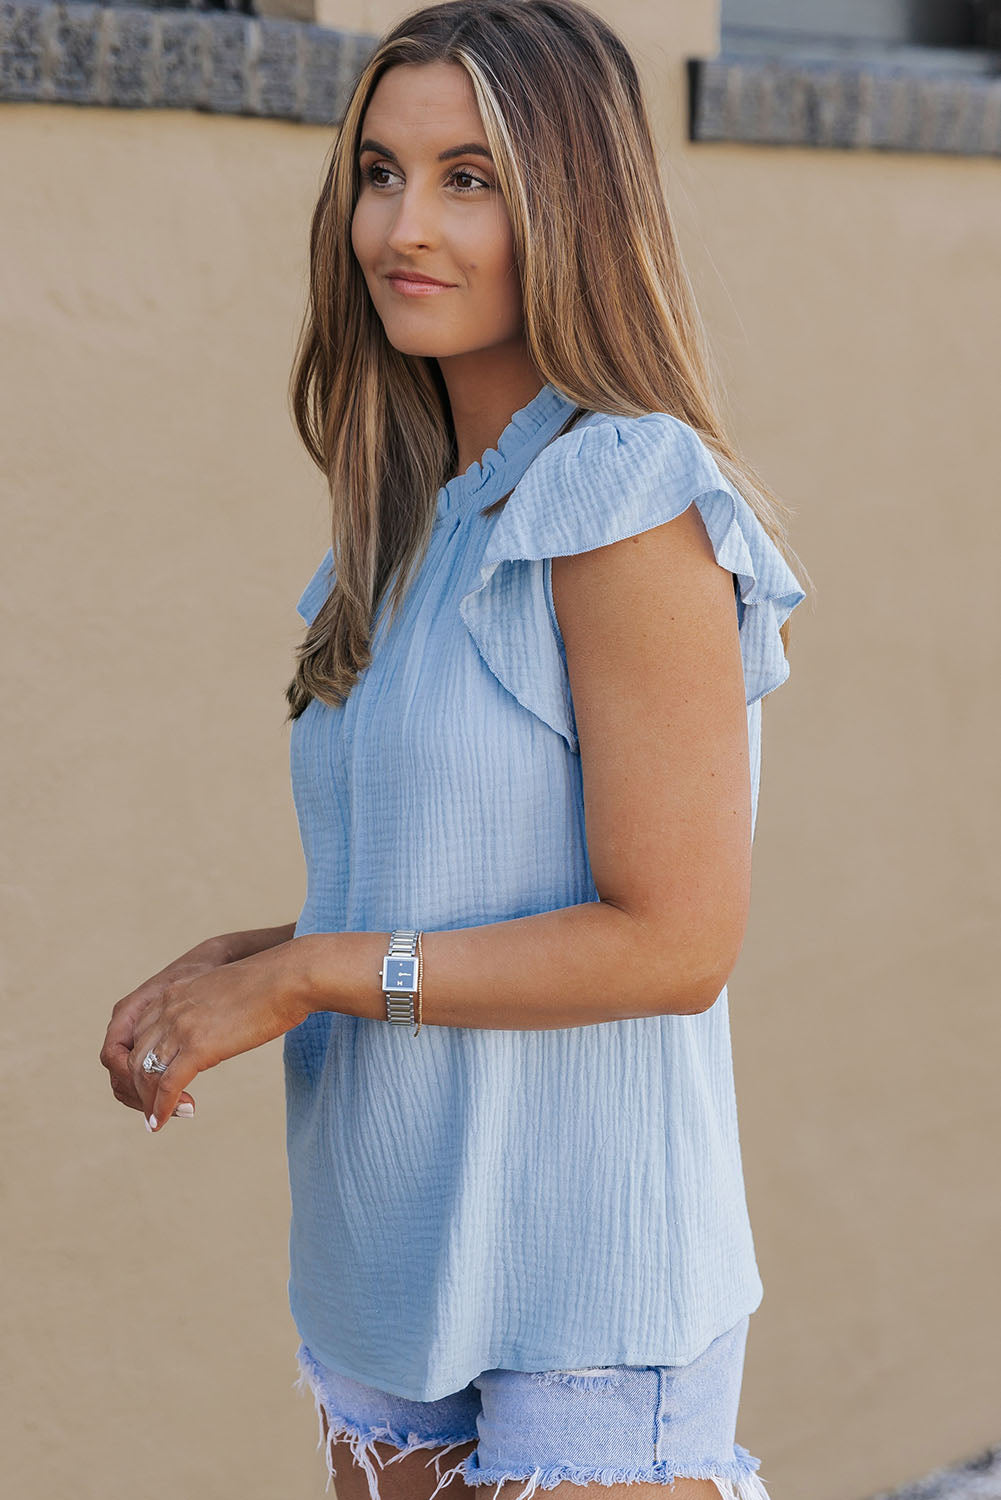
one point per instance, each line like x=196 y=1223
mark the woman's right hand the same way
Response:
x=120 y=1035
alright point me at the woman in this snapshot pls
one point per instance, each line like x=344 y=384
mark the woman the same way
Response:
x=525 y=756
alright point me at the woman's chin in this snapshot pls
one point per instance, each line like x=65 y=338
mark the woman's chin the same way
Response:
x=425 y=346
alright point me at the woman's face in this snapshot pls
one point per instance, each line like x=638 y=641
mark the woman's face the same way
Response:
x=441 y=218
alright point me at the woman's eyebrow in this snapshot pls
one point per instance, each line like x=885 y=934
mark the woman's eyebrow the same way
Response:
x=471 y=148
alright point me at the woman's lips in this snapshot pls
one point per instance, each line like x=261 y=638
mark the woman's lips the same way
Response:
x=417 y=288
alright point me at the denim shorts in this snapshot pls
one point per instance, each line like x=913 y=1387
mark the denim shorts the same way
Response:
x=611 y=1425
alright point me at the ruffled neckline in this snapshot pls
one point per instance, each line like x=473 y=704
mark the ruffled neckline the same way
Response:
x=525 y=425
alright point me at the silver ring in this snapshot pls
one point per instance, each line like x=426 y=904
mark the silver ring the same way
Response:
x=152 y=1064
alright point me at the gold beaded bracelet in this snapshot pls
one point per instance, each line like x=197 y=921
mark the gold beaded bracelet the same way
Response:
x=420 y=978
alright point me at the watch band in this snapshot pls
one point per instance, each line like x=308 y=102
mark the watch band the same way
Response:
x=400 y=997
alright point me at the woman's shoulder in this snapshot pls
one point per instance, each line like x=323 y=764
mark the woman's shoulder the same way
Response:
x=611 y=477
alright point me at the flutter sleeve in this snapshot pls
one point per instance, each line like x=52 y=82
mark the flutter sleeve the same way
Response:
x=609 y=478
x=312 y=597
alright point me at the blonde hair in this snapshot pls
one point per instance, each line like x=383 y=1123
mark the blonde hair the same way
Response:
x=610 y=316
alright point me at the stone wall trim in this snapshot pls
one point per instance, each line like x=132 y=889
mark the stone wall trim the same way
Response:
x=856 y=104
x=135 y=57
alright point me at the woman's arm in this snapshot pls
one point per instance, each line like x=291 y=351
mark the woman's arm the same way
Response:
x=237 y=945
x=650 y=630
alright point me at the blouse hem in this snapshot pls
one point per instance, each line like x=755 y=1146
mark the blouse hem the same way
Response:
x=578 y=1359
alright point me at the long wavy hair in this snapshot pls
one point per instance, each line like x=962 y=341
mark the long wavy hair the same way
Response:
x=610 y=317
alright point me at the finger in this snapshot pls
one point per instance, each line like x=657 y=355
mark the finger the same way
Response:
x=143 y=1082
x=116 y=1058
x=138 y=1079
x=120 y=1035
x=118 y=1053
x=126 y=1094
x=169 y=1087
x=123 y=1088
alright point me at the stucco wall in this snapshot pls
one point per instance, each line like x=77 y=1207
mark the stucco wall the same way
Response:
x=161 y=520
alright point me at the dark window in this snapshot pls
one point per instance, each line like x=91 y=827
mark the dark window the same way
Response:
x=872 y=23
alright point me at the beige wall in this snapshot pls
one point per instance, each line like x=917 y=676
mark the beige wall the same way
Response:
x=161 y=521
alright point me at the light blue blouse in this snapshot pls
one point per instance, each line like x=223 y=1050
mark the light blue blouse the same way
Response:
x=472 y=1199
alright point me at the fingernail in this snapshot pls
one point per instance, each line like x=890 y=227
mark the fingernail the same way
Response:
x=152 y=1122
x=147 y=1124
x=185 y=1110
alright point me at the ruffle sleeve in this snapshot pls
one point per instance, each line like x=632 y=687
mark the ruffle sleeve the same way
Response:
x=317 y=589
x=609 y=478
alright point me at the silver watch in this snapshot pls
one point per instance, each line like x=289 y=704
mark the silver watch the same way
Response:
x=399 y=975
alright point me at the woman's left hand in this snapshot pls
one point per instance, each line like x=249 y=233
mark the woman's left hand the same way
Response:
x=196 y=1023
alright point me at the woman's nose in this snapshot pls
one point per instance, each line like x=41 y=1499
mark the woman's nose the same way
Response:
x=413 y=222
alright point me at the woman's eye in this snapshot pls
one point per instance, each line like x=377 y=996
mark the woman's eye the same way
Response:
x=469 y=178
x=370 y=173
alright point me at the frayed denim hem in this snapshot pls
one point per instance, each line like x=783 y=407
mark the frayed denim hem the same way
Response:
x=581 y=1380
x=362 y=1439
x=735 y=1481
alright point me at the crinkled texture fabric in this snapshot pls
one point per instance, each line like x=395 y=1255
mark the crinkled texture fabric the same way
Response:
x=469 y=1198
x=612 y=1425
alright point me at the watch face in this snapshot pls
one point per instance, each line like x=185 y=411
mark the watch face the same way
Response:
x=400 y=974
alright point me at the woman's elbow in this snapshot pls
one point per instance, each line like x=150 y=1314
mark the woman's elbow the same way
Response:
x=705 y=994
x=701 y=967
